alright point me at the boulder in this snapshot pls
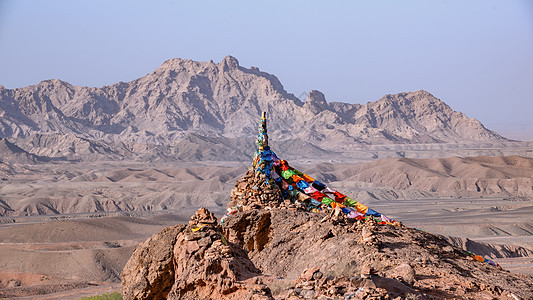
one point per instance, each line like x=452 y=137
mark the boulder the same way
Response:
x=149 y=273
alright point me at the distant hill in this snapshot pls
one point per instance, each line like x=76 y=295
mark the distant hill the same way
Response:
x=183 y=99
x=84 y=187
x=461 y=176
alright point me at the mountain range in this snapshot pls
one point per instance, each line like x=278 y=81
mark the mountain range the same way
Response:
x=184 y=99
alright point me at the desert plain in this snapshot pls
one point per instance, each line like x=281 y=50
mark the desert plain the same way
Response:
x=70 y=227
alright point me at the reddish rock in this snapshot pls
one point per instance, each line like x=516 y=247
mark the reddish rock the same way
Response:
x=404 y=273
x=289 y=254
x=207 y=266
x=308 y=274
x=149 y=273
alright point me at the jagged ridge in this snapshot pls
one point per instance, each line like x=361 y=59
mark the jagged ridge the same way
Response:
x=183 y=97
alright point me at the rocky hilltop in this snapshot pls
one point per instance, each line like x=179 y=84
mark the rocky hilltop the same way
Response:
x=285 y=254
x=184 y=97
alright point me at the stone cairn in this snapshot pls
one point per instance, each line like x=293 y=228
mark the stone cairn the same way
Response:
x=313 y=284
x=207 y=266
x=257 y=189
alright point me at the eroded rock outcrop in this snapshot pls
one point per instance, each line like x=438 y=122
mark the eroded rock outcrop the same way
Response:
x=207 y=266
x=192 y=262
x=149 y=273
x=289 y=254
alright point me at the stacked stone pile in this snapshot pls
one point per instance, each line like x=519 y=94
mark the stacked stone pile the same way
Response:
x=257 y=188
x=255 y=191
x=313 y=284
x=207 y=266
x=271 y=182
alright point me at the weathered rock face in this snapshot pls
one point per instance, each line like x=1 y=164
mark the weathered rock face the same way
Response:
x=14 y=154
x=192 y=262
x=208 y=267
x=316 y=102
x=305 y=255
x=150 y=270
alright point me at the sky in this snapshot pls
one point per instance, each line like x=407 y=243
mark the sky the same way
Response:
x=475 y=55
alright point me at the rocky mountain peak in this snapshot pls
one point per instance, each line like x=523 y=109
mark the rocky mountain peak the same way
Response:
x=421 y=96
x=229 y=63
x=316 y=102
x=183 y=96
x=175 y=64
x=50 y=84
x=421 y=93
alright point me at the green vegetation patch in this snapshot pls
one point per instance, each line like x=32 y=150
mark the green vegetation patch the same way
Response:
x=113 y=296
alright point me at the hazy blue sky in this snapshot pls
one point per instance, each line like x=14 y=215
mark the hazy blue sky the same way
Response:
x=477 y=56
